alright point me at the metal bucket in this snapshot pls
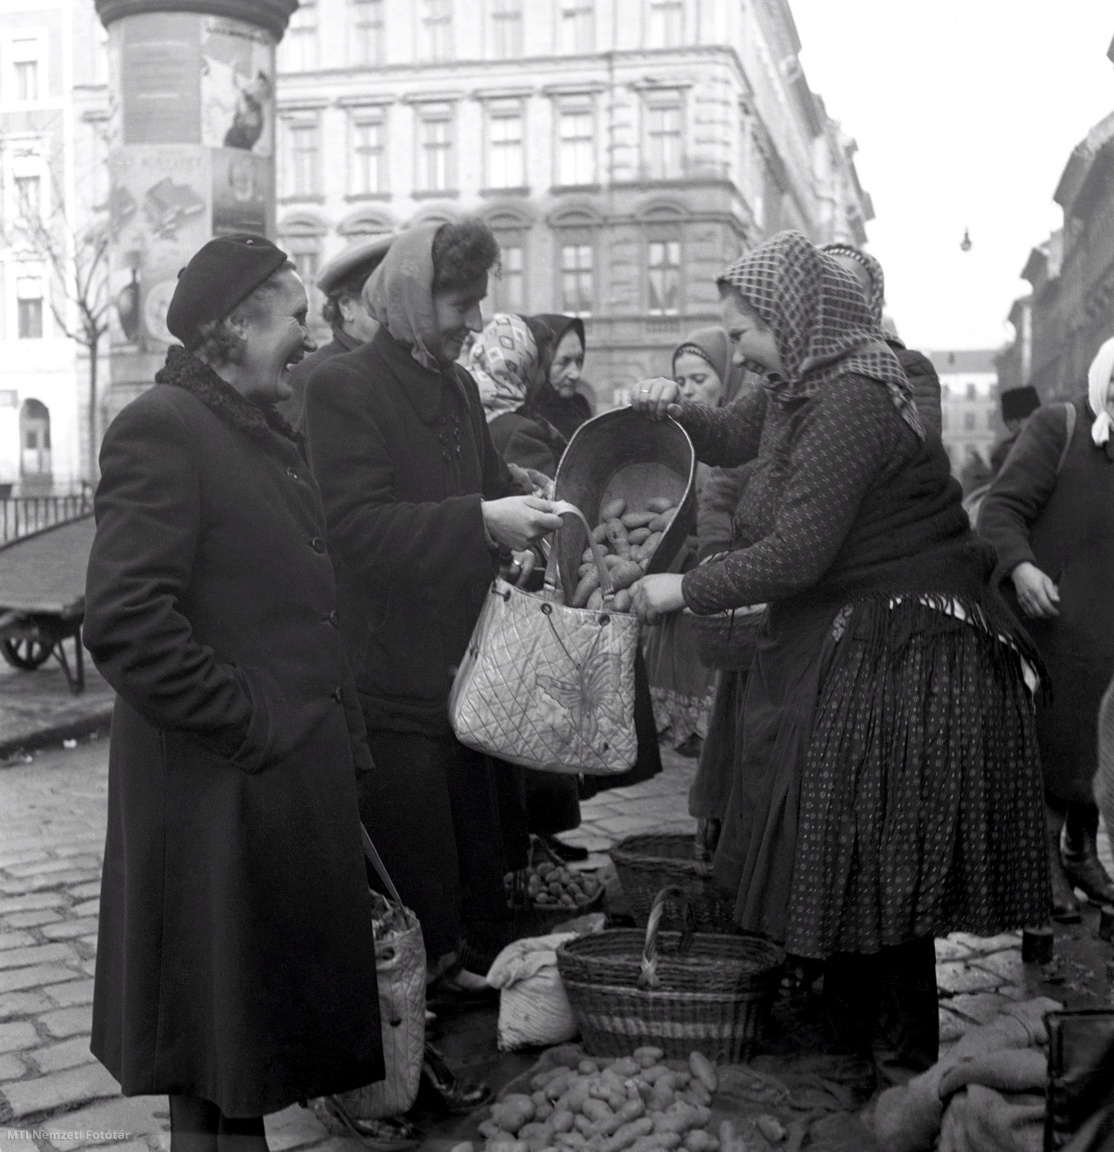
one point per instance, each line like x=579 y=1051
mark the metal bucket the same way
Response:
x=628 y=454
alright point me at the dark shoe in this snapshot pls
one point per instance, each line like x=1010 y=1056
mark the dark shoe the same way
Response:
x=690 y=748
x=570 y=853
x=1080 y=854
x=454 y=1094
x=391 y=1134
x=1065 y=906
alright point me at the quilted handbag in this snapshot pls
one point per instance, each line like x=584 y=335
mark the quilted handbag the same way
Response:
x=400 y=967
x=548 y=686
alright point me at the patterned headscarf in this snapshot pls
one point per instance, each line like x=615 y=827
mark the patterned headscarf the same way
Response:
x=1098 y=384
x=502 y=361
x=399 y=294
x=876 y=297
x=820 y=321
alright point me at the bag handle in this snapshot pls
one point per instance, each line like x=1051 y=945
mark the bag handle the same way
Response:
x=380 y=868
x=564 y=508
x=648 y=977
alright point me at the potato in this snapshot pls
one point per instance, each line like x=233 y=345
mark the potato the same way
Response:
x=654 y=1073
x=623 y=599
x=595 y=601
x=513 y=1112
x=636 y=519
x=703 y=1070
x=613 y=509
x=638 y=554
x=599 y=533
x=659 y=503
x=700 y=1140
x=627 y=1135
x=623 y=576
x=617 y=537
x=651 y=545
x=589 y=583
x=660 y=523
x=561 y=1120
x=637 y=535
x=772 y=1128
x=699 y=1092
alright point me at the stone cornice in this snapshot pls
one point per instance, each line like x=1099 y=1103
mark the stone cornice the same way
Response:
x=271 y=15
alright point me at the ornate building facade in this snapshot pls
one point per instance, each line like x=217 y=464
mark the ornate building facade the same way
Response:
x=622 y=150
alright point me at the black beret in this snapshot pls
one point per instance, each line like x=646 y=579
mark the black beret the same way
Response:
x=1017 y=403
x=219 y=275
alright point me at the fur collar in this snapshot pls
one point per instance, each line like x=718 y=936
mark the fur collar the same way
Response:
x=255 y=420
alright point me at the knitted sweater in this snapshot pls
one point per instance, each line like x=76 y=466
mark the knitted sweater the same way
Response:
x=844 y=500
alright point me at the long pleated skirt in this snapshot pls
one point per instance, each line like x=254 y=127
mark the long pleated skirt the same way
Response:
x=890 y=766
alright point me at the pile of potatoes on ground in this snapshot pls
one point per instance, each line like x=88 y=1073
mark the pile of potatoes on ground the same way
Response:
x=553 y=886
x=633 y=1104
x=631 y=537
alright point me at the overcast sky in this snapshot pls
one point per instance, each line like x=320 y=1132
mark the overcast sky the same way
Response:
x=965 y=113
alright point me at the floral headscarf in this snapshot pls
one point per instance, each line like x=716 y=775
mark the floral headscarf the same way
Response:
x=399 y=294
x=713 y=345
x=876 y=298
x=501 y=361
x=1098 y=384
x=821 y=323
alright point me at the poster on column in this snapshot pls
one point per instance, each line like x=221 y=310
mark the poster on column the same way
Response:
x=242 y=192
x=159 y=64
x=237 y=86
x=159 y=216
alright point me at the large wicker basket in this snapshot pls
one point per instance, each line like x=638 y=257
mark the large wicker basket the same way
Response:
x=647 y=863
x=725 y=641
x=679 y=991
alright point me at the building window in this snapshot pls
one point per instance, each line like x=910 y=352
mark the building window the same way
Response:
x=971 y=392
x=436 y=154
x=663 y=142
x=665 y=277
x=577 y=33
x=510 y=286
x=576 y=161
x=368 y=43
x=28 y=197
x=667 y=23
x=29 y=307
x=576 y=279
x=299 y=45
x=969 y=421
x=506 y=28
x=25 y=69
x=437 y=29
x=506 y=165
x=303 y=174
x=368 y=172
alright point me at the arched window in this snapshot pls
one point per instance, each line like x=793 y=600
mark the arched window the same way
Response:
x=511 y=225
x=34 y=437
x=302 y=235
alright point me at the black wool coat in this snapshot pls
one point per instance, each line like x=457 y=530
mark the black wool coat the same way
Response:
x=236 y=959
x=404 y=459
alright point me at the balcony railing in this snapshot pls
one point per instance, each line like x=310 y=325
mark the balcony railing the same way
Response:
x=22 y=515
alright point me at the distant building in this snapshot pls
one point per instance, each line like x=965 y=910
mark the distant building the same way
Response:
x=971 y=415
x=623 y=152
x=52 y=76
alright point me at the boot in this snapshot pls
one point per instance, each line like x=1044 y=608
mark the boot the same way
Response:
x=907 y=1038
x=1065 y=906
x=454 y=1094
x=1079 y=850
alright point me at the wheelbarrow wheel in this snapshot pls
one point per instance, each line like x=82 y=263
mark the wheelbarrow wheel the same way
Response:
x=25 y=654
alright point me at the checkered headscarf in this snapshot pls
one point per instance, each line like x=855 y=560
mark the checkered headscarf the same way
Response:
x=821 y=323
x=501 y=361
x=876 y=300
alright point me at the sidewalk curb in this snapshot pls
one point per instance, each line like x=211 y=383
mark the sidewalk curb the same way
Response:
x=72 y=729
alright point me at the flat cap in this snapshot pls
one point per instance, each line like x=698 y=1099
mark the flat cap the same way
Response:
x=357 y=260
x=219 y=275
x=1018 y=403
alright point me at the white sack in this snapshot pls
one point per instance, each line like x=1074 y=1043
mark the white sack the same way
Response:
x=534 y=1010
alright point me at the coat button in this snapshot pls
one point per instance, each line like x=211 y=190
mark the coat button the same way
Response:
x=333 y=619
x=317 y=544
x=338 y=695
x=292 y=473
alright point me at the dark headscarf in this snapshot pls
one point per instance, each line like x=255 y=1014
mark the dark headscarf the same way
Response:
x=821 y=323
x=565 y=415
x=713 y=345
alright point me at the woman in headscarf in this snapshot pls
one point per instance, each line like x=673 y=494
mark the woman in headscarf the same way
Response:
x=560 y=341
x=1050 y=515
x=916 y=365
x=504 y=363
x=680 y=686
x=422 y=512
x=887 y=786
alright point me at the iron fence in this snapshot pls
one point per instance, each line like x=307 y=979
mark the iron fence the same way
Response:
x=22 y=515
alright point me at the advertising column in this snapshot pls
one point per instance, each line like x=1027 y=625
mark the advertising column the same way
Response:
x=192 y=154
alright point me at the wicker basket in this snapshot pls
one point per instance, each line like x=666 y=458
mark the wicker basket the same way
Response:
x=679 y=991
x=648 y=863
x=725 y=641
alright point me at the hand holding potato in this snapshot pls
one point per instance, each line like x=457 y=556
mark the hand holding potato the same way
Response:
x=657 y=398
x=516 y=522
x=657 y=596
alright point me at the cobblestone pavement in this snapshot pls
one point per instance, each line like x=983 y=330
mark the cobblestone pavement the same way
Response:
x=39 y=704
x=54 y=1095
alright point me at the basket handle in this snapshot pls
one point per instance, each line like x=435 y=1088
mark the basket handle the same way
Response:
x=564 y=508
x=648 y=977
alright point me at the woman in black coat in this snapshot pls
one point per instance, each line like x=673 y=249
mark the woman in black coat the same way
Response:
x=422 y=511
x=560 y=341
x=1050 y=514
x=236 y=960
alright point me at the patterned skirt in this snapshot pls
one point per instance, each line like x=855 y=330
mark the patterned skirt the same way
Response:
x=921 y=804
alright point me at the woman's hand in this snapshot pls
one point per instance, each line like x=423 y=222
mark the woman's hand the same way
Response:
x=1036 y=593
x=656 y=596
x=516 y=522
x=657 y=398
x=525 y=560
